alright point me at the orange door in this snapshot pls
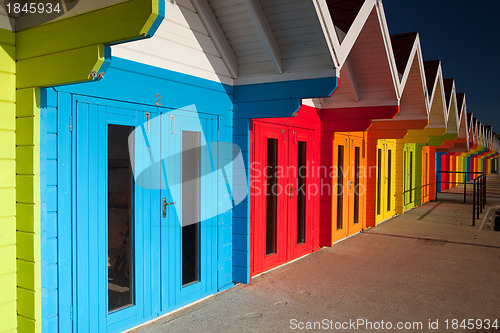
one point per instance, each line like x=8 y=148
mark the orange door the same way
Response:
x=356 y=186
x=349 y=186
x=340 y=200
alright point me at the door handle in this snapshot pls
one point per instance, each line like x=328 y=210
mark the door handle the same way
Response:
x=165 y=204
x=290 y=189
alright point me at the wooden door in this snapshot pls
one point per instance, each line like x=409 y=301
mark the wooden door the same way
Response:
x=281 y=215
x=409 y=176
x=385 y=198
x=356 y=188
x=268 y=189
x=340 y=181
x=425 y=175
x=348 y=185
x=299 y=203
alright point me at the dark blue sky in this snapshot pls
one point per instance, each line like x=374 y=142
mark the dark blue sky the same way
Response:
x=465 y=36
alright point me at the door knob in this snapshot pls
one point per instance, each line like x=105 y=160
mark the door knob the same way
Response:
x=165 y=204
x=290 y=189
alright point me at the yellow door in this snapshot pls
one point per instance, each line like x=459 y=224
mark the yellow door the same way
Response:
x=386 y=186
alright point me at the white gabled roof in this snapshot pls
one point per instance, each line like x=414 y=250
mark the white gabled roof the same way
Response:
x=451 y=104
x=412 y=85
x=368 y=75
x=438 y=113
x=270 y=40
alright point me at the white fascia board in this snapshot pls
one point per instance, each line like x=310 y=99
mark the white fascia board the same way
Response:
x=469 y=127
x=221 y=43
x=453 y=106
x=303 y=75
x=416 y=55
x=388 y=49
x=329 y=32
x=326 y=104
x=266 y=33
x=355 y=29
x=463 y=120
x=438 y=86
x=420 y=60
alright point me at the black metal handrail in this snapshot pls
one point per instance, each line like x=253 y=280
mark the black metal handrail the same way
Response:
x=478 y=194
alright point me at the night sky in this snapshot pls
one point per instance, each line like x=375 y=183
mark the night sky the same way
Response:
x=465 y=36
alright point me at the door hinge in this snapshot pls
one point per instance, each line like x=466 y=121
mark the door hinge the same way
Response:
x=71 y=313
x=71 y=123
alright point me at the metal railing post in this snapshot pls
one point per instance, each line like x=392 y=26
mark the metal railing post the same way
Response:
x=465 y=192
x=485 y=192
x=478 y=203
x=474 y=205
x=482 y=193
x=437 y=177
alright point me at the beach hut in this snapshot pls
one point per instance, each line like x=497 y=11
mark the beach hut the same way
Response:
x=387 y=185
x=367 y=90
x=125 y=150
x=419 y=162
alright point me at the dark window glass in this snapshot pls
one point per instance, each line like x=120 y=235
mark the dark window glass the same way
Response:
x=271 y=199
x=340 y=187
x=301 y=195
x=411 y=177
x=120 y=219
x=405 y=178
x=426 y=166
x=190 y=206
x=356 y=184
x=379 y=181
x=389 y=179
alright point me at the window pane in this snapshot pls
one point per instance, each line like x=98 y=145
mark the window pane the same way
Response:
x=301 y=192
x=425 y=174
x=411 y=177
x=356 y=184
x=120 y=219
x=405 y=179
x=190 y=206
x=271 y=181
x=340 y=187
x=389 y=179
x=379 y=181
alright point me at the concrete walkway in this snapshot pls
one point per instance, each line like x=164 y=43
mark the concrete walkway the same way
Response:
x=428 y=264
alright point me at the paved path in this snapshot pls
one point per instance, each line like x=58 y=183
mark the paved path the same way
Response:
x=429 y=264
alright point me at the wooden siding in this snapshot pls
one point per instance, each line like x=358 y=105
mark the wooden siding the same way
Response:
x=370 y=72
x=180 y=44
x=49 y=212
x=56 y=171
x=8 y=291
x=71 y=9
x=297 y=31
x=28 y=209
x=302 y=45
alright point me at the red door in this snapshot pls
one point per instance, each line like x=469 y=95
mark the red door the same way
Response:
x=280 y=219
x=425 y=175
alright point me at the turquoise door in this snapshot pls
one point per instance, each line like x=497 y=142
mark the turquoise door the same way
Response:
x=189 y=208
x=113 y=261
x=144 y=228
